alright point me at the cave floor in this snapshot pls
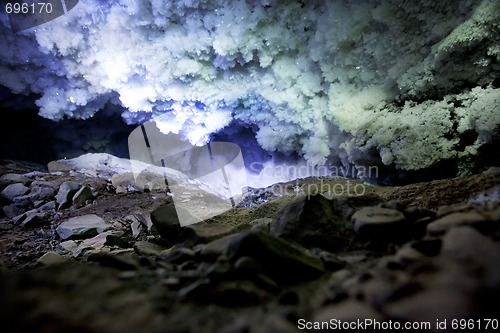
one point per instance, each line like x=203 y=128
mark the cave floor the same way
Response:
x=444 y=268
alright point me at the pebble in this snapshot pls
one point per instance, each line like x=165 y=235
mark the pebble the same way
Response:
x=136 y=228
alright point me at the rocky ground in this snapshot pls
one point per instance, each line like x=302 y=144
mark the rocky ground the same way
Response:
x=84 y=250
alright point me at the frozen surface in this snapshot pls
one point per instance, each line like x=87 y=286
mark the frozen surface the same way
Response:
x=352 y=83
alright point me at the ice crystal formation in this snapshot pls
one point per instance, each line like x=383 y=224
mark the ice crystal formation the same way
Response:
x=395 y=83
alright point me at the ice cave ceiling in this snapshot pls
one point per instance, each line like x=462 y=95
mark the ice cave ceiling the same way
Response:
x=400 y=84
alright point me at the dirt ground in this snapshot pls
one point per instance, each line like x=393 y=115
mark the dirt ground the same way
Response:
x=136 y=291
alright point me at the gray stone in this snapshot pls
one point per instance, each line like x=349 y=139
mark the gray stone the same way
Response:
x=13 y=178
x=217 y=247
x=166 y=222
x=81 y=196
x=69 y=246
x=66 y=192
x=472 y=218
x=51 y=205
x=206 y=232
x=14 y=190
x=51 y=258
x=136 y=228
x=381 y=224
x=311 y=221
x=283 y=260
x=86 y=226
x=33 y=220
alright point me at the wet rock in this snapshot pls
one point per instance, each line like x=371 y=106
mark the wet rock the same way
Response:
x=381 y=224
x=13 y=178
x=14 y=190
x=51 y=258
x=311 y=221
x=81 y=196
x=13 y=210
x=471 y=218
x=282 y=260
x=85 y=226
x=148 y=248
x=66 y=192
